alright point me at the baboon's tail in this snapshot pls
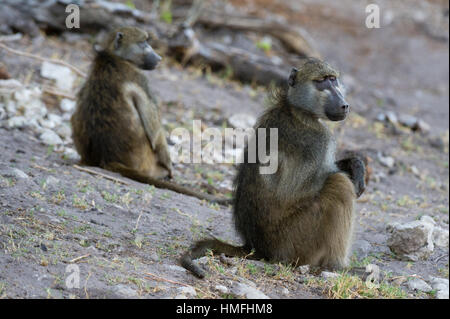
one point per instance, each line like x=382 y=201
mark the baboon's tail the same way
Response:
x=137 y=176
x=200 y=249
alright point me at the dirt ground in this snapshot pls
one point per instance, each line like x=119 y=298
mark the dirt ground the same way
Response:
x=126 y=237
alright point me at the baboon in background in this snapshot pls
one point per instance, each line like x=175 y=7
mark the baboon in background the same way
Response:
x=116 y=124
x=302 y=214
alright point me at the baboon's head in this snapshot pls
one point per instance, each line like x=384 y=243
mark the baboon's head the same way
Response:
x=314 y=88
x=131 y=44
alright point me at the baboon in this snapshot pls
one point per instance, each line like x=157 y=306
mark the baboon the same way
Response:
x=116 y=124
x=303 y=213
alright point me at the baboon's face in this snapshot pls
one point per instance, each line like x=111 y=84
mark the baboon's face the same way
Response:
x=315 y=89
x=132 y=45
x=335 y=107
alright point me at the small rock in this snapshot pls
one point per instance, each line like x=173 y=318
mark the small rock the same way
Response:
x=154 y=257
x=221 y=289
x=54 y=118
x=440 y=237
x=67 y=105
x=391 y=117
x=285 y=291
x=441 y=285
x=408 y=120
x=428 y=219
x=52 y=181
x=304 y=269
x=63 y=76
x=180 y=296
x=16 y=173
x=64 y=131
x=415 y=171
x=411 y=241
x=50 y=138
x=71 y=154
x=417 y=284
x=203 y=261
x=329 y=275
x=190 y=291
x=124 y=291
x=386 y=160
x=362 y=248
x=176 y=268
x=17 y=122
x=242 y=120
x=2 y=112
x=423 y=126
x=247 y=291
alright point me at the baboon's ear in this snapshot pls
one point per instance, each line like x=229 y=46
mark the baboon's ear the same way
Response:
x=293 y=77
x=118 y=40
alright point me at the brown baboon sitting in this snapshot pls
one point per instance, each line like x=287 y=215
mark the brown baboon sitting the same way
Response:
x=303 y=213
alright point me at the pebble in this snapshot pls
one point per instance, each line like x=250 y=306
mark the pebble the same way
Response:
x=221 y=289
x=50 y=138
x=188 y=290
x=247 y=291
x=329 y=275
x=411 y=241
x=419 y=285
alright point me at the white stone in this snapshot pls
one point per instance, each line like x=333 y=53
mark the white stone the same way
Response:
x=285 y=291
x=411 y=241
x=52 y=181
x=419 y=285
x=439 y=283
x=329 y=275
x=64 y=131
x=50 y=138
x=63 y=76
x=71 y=154
x=247 y=291
x=440 y=237
x=221 y=288
x=17 y=173
x=176 y=268
x=386 y=160
x=17 y=122
x=2 y=111
x=188 y=290
x=304 y=269
x=428 y=219
x=67 y=105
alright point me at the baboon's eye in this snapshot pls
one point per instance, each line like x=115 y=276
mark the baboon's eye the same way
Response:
x=332 y=78
x=320 y=80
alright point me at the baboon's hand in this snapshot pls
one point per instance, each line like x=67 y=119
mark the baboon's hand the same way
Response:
x=356 y=170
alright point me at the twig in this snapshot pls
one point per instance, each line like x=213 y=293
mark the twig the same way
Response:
x=41 y=168
x=137 y=222
x=85 y=285
x=33 y=56
x=58 y=93
x=90 y=171
x=157 y=278
x=78 y=258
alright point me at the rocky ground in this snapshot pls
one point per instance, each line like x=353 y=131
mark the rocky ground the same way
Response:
x=125 y=237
